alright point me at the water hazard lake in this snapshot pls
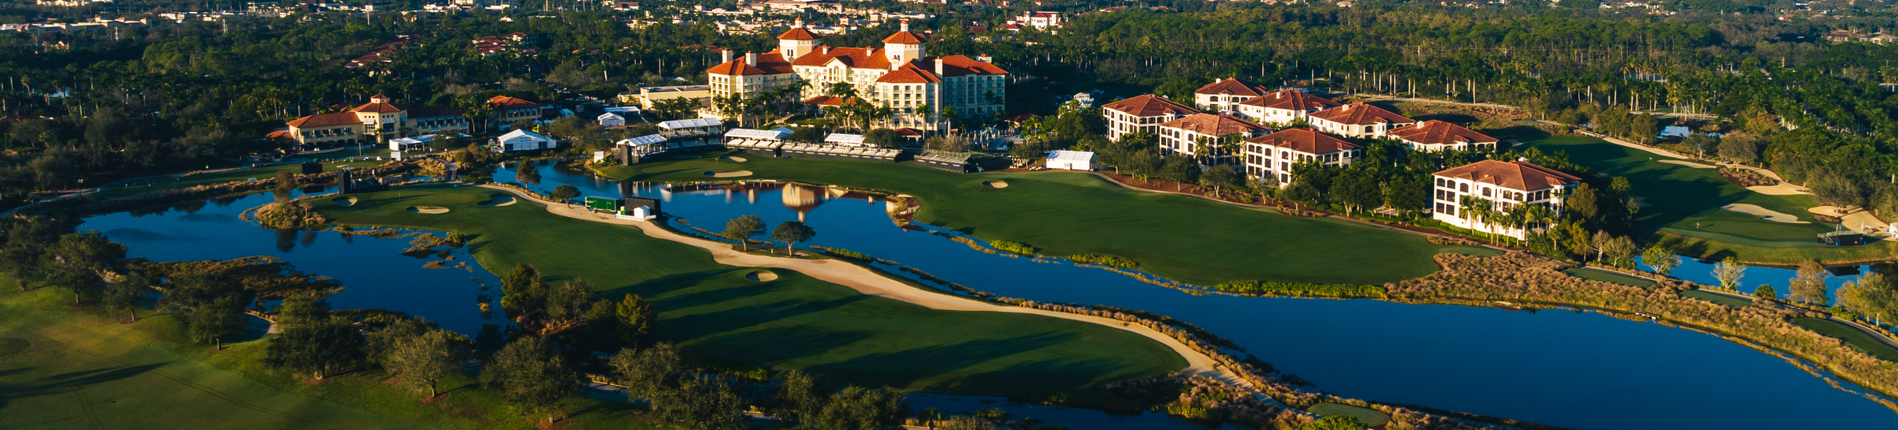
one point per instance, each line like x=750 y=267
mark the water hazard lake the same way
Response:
x=1561 y=368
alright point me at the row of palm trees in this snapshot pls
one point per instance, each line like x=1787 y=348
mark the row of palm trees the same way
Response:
x=1473 y=209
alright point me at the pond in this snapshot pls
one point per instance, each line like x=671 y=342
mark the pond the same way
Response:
x=1701 y=272
x=1560 y=368
x=372 y=271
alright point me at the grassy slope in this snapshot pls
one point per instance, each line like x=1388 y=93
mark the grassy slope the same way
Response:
x=1687 y=200
x=1851 y=336
x=1722 y=299
x=794 y=322
x=1183 y=238
x=260 y=173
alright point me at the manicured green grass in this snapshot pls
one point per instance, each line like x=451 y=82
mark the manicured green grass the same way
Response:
x=1182 y=238
x=1722 y=299
x=1688 y=198
x=258 y=173
x=1606 y=276
x=794 y=322
x=1370 y=418
x=1852 y=336
x=87 y=370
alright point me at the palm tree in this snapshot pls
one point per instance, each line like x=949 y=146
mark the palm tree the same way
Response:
x=1474 y=209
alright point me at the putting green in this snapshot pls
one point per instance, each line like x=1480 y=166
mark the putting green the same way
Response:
x=1729 y=301
x=1691 y=200
x=792 y=322
x=1368 y=417
x=1179 y=237
x=1851 y=336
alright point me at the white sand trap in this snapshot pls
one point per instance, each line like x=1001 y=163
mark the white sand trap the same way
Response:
x=996 y=184
x=428 y=210
x=737 y=174
x=1763 y=213
x=344 y=201
x=500 y=200
x=1782 y=189
x=1690 y=164
x=762 y=276
x=735 y=159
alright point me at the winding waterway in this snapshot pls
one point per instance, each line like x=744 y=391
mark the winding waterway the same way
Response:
x=1562 y=368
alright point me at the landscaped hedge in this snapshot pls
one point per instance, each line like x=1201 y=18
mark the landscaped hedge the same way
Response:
x=1105 y=260
x=1301 y=289
x=1015 y=247
x=846 y=254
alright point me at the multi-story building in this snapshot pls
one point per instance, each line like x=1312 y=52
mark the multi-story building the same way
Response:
x=1357 y=120
x=1224 y=95
x=922 y=89
x=507 y=110
x=1283 y=106
x=377 y=119
x=328 y=131
x=1039 y=20
x=1275 y=154
x=1438 y=136
x=1504 y=184
x=1142 y=113
x=1212 y=139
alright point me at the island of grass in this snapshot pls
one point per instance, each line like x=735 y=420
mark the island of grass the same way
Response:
x=791 y=322
x=1687 y=203
x=1717 y=298
x=1607 y=276
x=1850 y=335
x=1369 y=418
x=1183 y=238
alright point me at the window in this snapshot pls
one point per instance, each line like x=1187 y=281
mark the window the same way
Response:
x=1485 y=192
x=1463 y=188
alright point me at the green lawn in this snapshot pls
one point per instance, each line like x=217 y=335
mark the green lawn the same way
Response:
x=1852 y=336
x=245 y=174
x=1182 y=238
x=1606 y=276
x=795 y=322
x=1722 y=299
x=1689 y=199
x=1370 y=418
x=1470 y=250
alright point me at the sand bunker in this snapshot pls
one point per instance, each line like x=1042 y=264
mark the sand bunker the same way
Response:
x=499 y=200
x=344 y=201
x=737 y=174
x=996 y=184
x=762 y=276
x=1763 y=213
x=1690 y=164
x=428 y=210
x=1782 y=189
x=735 y=159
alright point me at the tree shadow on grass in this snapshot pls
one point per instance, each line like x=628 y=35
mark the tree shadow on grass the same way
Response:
x=911 y=367
x=773 y=346
x=66 y=382
x=657 y=289
x=712 y=323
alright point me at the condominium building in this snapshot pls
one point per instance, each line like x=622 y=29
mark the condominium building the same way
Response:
x=327 y=131
x=1357 y=120
x=1213 y=139
x=383 y=119
x=1142 y=113
x=1438 y=136
x=1275 y=154
x=508 y=110
x=922 y=89
x=1504 y=184
x=1283 y=106
x=1224 y=95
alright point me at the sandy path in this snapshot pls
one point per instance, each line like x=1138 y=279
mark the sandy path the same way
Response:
x=870 y=283
x=1690 y=164
x=1763 y=213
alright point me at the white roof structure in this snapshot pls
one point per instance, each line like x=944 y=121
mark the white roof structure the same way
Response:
x=681 y=124
x=622 y=109
x=748 y=133
x=844 y=139
x=519 y=133
x=609 y=115
x=1064 y=155
x=642 y=140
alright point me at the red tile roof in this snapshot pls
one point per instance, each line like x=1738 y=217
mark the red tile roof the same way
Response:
x=797 y=34
x=1360 y=114
x=1150 y=105
x=905 y=37
x=1231 y=86
x=1293 y=100
x=770 y=63
x=325 y=120
x=1515 y=175
x=857 y=58
x=1435 y=132
x=377 y=107
x=1305 y=140
x=1215 y=124
x=958 y=65
x=509 y=103
x=909 y=73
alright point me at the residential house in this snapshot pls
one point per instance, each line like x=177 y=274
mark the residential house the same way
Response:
x=1439 y=136
x=1504 y=184
x=1357 y=120
x=1224 y=95
x=1283 y=106
x=1275 y=154
x=1211 y=138
x=1142 y=113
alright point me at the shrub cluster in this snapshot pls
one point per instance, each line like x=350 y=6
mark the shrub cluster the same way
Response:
x=1301 y=289
x=848 y=254
x=1105 y=260
x=1014 y=247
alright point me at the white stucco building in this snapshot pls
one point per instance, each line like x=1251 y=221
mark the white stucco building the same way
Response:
x=1505 y=184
